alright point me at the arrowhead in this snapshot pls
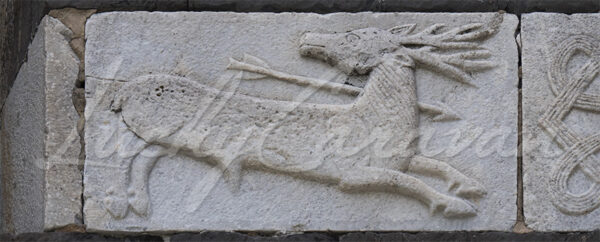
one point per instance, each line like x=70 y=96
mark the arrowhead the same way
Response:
x=254 y=61
x=440 y=112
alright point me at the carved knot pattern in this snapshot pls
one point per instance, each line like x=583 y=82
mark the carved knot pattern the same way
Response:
x=570 y=93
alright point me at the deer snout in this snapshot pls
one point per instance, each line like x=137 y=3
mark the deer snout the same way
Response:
x=313 y=45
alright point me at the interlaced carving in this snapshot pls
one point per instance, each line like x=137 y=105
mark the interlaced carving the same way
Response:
x=570 y=93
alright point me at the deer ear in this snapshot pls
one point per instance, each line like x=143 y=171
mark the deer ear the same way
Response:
x=403 y=29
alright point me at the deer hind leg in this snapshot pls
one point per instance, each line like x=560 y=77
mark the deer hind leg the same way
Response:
x=465 y=186
x=141 y=167
x=115 y=201
x=378 y=179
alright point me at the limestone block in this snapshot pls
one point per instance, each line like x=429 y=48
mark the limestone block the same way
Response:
x=295 y=122
x=561 y=121
x=42 y=180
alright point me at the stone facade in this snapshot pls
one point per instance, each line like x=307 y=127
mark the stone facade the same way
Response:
x=284 y=122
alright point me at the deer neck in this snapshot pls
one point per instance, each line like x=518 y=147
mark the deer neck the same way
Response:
x=390 y=93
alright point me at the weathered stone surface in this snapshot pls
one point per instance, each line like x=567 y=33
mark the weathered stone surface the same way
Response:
x=312 y=236
x=212 y=121
x=561 y=121
x=40 y=144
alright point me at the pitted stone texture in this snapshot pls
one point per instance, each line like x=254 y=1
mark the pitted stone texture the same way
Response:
x=40 y=144
x=211 y=121
x=560 y=126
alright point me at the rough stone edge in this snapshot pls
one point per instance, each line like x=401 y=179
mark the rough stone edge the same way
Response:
x=74 y=20
x=32 y=206
x=19 y=20
x=62 y=149
x=61 y=208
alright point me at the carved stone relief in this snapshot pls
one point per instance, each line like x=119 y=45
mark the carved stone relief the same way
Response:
x=357 y=142
x=569 y=179
x=570 y=92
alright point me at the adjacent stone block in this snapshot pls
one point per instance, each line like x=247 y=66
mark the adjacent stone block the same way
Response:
x=561 y=121
x=41 y=177
x=235 y=121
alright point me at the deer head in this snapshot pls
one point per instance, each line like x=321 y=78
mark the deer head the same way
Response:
x=354 y=52
x=454 y=52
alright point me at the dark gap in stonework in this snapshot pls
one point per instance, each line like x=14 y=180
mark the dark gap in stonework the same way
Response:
x=520 y=225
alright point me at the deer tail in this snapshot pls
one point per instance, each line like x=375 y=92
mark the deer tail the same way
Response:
x=118 y=101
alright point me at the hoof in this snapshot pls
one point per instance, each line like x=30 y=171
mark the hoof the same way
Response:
x=116 y=205
x=139 y=201
x=453 y=208
x=470 y=189
x=467 y=188
x=457 y=208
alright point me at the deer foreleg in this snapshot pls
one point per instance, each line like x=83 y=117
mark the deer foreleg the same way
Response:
x=139 y=173
x=385 y=180
x=465 y=186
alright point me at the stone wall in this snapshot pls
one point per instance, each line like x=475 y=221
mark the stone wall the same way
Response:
x=21 y=19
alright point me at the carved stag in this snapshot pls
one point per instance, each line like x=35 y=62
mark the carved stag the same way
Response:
x=367 y=145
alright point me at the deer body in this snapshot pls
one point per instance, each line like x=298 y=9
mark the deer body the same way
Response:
x=365 y=145
x=377 y=129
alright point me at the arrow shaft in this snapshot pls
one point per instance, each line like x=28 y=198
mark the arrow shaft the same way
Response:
x=299 y=80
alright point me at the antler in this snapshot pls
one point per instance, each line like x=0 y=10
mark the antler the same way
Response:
x=427 y=46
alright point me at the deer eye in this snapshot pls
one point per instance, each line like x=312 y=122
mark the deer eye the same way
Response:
x=352 y=37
